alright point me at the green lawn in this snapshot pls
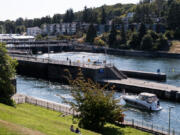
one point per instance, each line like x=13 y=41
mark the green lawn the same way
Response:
x=28 y=119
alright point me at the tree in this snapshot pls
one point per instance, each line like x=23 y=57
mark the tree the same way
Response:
x=147 y=43
x=162 y=43
x=7 y=72
x=91 y=34
x=123 y=35
x=96 y=106
x=103 y=16
x=56 y=18
x=141 y=32
x=173 y=18
x=134 y=42
x=85 y=15
x=112 y=36
x=69 y=16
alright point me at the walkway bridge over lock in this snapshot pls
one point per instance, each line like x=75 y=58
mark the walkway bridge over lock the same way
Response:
x=54 y=70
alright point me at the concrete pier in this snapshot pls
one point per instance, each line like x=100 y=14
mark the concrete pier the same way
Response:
x=163 y=91
x=54 y=71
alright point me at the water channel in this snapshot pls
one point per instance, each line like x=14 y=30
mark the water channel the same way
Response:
x=51 y=91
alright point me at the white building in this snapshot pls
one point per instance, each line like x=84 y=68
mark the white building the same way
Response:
x=34 y=31
x=62 y=28
x=15 y=38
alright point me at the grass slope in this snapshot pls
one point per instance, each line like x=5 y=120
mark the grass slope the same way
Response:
x=28 y=119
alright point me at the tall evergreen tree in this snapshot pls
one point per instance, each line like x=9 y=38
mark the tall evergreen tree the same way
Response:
x=91 y=34
x=85 y=15
x=103 y=16
x=112 y=36
x=123 y=35
x=69 y=16
x=141 y=32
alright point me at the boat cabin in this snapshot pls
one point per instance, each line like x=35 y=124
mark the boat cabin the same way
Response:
x=148 y=97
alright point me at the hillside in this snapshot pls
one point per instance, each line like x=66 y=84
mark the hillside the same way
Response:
x=28 y=119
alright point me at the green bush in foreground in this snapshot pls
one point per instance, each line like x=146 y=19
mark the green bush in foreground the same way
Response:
x=96 y=106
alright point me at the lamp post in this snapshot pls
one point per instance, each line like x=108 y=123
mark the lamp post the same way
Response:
x=169 y=129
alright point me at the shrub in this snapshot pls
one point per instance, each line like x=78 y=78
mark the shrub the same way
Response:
x=96 y=106
x=134 y=42
x=169 y=34
x=147 y=42
x=162 y=43
x=99 y=41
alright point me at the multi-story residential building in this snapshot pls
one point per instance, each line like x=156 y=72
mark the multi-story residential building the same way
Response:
x=34 y=31
x=62 y=28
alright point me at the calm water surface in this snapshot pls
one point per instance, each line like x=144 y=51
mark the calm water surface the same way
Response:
x=51 y=91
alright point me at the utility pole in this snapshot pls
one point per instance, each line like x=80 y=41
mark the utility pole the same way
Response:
x=169 y=129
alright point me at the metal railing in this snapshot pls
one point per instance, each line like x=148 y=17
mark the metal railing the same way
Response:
x=19 y=99
x=150 y=127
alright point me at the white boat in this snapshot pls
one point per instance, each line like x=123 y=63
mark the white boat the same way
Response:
x=144 y=100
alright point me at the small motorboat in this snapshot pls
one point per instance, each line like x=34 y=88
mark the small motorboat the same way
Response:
x=144 y=100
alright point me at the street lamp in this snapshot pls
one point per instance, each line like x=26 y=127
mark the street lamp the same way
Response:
x=169 y=129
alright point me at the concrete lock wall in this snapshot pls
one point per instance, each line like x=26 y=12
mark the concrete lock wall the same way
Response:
x=52 y=72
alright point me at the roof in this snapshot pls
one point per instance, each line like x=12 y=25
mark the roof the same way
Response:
x=147 y=94
x=15 y=36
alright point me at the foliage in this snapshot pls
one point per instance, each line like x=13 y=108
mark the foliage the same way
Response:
x=7 y=72
x=173 y=17
x=112 y=36
x=103 y=16
x=123 y=35
x=98 y=41
x=147 y=43
x=162 y=43
x=141 y=31
x=96 y=106
x=69 y=16
x=134 y=42
x=91 y=34
x=153 y=34
x=177 y=33
x=169 y=34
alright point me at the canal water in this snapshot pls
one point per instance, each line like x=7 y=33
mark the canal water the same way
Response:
x=52 y=91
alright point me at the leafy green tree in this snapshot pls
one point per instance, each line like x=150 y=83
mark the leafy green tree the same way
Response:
x=141 y=32
x=96 y=106
x=147 y=43
x=173 y=18
x=123 y=35
x=134 y=42
x=56 y=18
x=153 y=34
x=7 y=72
x=91 y=34
x=112 y=36
x=103 y=16
x=162 y=43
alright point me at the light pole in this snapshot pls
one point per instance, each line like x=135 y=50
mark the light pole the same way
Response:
x=169 y=129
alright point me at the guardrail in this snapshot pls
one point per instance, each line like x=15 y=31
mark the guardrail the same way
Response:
x=150 y=127
x=19 y=99
x=51 y=61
